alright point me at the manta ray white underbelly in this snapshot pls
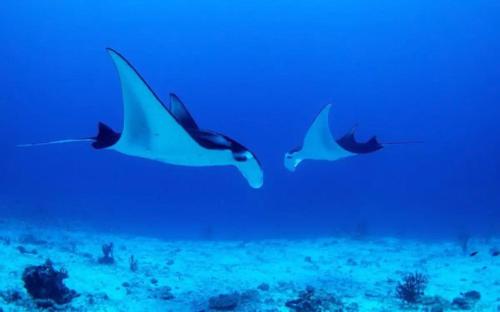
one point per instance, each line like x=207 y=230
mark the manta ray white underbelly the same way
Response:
x=319 y=144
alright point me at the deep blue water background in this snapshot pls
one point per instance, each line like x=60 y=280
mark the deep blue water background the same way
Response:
x=258 y=71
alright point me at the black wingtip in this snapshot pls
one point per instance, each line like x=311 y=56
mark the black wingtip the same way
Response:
x=113 y=51
x=106 y=137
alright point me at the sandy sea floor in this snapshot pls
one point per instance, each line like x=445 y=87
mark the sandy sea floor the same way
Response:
x=352 y=275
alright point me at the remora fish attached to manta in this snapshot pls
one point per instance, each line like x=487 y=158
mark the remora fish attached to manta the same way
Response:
x=320 y=145
x=170 y=135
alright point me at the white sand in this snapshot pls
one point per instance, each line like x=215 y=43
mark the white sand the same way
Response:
x=364 y=272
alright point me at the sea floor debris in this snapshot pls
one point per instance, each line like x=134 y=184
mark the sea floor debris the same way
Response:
x=268 y=275
x=46 y=286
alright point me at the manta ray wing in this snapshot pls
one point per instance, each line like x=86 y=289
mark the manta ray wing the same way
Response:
x=149 y=129
x=318 y=142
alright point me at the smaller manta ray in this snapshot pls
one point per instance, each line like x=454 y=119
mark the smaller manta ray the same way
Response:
x=153 y=131
x=320 y=145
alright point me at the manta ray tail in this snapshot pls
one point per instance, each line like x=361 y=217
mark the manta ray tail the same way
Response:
x=401 y=142
x=57 y=142
x=105 y=138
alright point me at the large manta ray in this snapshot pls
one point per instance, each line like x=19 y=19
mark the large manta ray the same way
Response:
x=153 y=131
x=320 y=145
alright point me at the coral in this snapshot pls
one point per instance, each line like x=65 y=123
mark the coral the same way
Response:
x=263 y=287
x=10 y=296
x=163 y=293
x=133 y=264
x=97 y=298
x=107 y=251
x=466 y=301
x=353 y=307
x=46 y=284
x=23 y=250
x=32 y=240
x=472 y=295
x=249 y=296
x=437 y=308
x=312 y=301
x=461 y=304
x=224 y=302
x=412 y=289
x=434 y=303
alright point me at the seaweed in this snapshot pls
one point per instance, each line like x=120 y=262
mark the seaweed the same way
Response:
x=107 y=251
x=463 y=240
x=133 y=264
x=412 y=288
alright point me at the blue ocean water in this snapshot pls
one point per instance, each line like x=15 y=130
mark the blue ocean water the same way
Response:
x=259 y=72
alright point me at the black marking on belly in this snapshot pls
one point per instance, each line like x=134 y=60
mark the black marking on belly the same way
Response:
x=349 y=143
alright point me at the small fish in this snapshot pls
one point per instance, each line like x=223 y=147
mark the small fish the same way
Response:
x=472 y=254
x=495 y=253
